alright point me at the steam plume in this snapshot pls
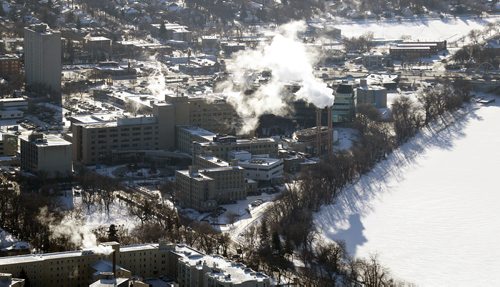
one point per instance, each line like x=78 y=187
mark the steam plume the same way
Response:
x=74 y=229
x=289 y=60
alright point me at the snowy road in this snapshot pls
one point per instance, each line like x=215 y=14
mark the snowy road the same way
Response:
x=431 y=210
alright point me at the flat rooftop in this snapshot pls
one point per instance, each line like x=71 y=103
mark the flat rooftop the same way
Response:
x=19 y=259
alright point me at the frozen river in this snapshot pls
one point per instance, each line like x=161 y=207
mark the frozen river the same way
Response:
x=431 y=211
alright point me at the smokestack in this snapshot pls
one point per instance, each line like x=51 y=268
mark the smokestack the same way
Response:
x=330 y=131
x=114 y=264
x=318 y=132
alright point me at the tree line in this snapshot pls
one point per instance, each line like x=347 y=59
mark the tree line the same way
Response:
x=287 y=228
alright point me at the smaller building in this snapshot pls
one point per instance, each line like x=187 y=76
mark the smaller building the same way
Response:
x=232 y=47
x=374 y=60
x=46 y=155
x=8 y=144
x=10 y=66
x=210 y=43
x=114 y=70
x=186 y=135
x=415 y=50
x=205 y=189
x=343 y=106
x=263 y=169
x=221 y=146
x=98 y=47
x=6 y=280
x=372 y=95
x=305 y=141
x=173 y=31
x=199 y=270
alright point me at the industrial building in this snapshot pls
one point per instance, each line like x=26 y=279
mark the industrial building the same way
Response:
x=46 y=155
x=42 y=56
x=416 y=50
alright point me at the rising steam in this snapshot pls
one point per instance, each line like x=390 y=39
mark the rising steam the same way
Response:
x=72 y=228
x=289 y=60
x=156 y=81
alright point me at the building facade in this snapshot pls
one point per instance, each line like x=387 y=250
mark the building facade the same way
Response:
x=10 y=66
x=343 y=106
x=46 y=155
x=42 y=56
x=205 y=189
x=221 y=147
x=186 y=135
x=371 y=95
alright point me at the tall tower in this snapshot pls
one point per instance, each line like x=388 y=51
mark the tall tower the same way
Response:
x=42 y=56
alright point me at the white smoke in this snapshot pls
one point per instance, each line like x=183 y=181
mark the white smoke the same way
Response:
x=156 y=81
x=72 y=227
x=289 y=60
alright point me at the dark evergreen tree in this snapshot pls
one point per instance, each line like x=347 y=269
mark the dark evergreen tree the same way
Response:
x=276 y=242
x=113 y=233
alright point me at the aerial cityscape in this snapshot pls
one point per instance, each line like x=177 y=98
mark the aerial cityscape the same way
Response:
x=238 y=143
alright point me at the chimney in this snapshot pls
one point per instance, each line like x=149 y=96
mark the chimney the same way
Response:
x=330 y=131
x=318 y=131
x=114 y=265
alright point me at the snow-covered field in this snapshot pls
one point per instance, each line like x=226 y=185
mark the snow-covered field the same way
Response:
x=430 y=211
x=422 y=29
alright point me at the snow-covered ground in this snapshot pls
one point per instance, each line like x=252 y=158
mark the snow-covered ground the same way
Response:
x=430 y=211
x=97 y=217
x=422 y=29
x=242 y=215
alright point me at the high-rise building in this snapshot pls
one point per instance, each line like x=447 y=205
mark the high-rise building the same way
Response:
x=42 y=56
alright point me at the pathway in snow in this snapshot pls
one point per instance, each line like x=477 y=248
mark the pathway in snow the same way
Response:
x=431 y=210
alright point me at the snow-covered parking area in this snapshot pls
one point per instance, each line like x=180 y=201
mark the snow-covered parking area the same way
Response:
x=430 y=211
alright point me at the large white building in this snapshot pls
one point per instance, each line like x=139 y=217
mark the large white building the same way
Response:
x=42 y=56
x=258 y=168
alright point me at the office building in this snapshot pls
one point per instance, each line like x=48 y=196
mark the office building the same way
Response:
x=46 y=155
x=42 y=57
x=205 y=189
x=97 y=140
